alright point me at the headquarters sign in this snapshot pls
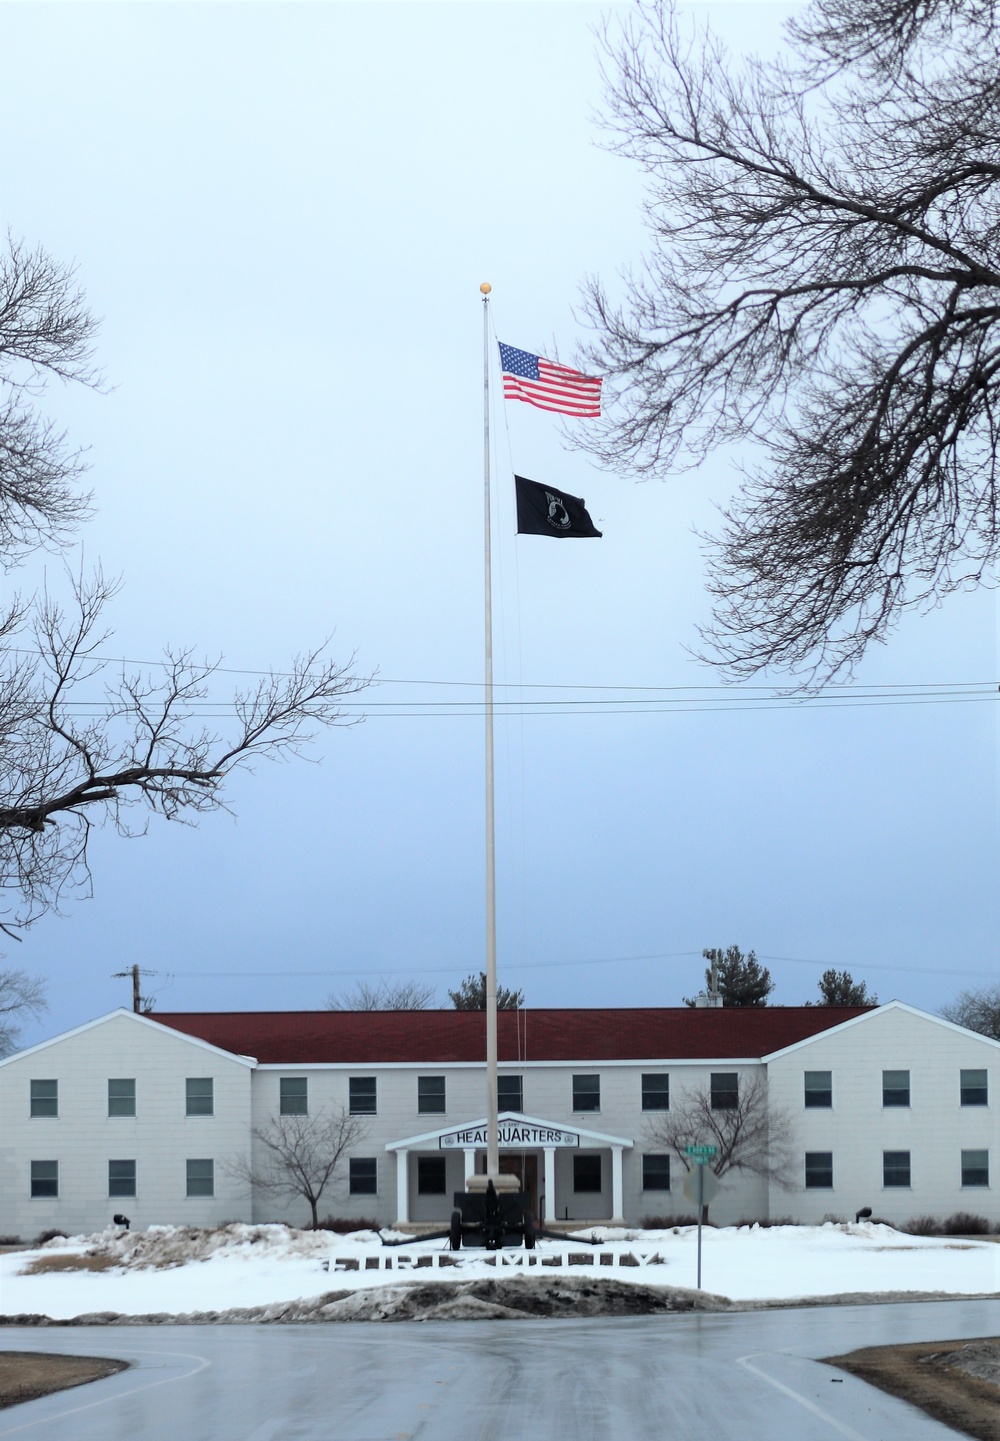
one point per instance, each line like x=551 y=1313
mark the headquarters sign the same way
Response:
x=513 y=1135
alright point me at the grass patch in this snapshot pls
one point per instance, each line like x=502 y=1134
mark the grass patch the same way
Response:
x=920 y=1374
x=27 y=1375
x=75 y=1262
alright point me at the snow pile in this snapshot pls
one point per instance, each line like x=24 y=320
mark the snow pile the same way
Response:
x=209 y=1274
x=161 y=1247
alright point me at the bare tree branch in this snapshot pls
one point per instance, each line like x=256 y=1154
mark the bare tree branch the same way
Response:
x=822 y=279
x=382 y=995
x=46 y=331
x=978 y=1010
x=300 y=1155
x=81 y=744
x=21 y=996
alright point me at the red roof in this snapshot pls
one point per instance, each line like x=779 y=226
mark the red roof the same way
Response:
x=371 y=1038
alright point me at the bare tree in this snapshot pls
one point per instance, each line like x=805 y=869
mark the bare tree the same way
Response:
x=21 y=996
x=82 y=742
x=977 y=1010
x=46 y=332
x=132 y=745
x=750 y=1135
x=300 y=1155
x=382 y=995
x=822 y=279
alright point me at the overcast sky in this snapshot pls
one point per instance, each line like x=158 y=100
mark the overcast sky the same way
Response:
x=283 y=214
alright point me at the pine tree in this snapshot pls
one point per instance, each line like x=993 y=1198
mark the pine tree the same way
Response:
x=471 y=995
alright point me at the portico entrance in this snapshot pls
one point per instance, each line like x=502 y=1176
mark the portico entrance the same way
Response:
x=460 y=1153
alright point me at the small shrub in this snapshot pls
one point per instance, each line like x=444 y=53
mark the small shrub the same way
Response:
x=344 y=1224
x=52 y=1234
x=962 y=1223
x=10 y=1240
x=923 y=1226
x=833 y=1220
x=668 y=1223
x=767 y=1222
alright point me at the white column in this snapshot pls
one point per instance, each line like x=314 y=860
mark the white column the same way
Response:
x=617 y=1205
x=470 y=1163
x=550 y=1183
x=402 y=1187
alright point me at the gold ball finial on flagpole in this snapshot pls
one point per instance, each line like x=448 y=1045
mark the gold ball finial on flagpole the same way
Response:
x=486 y=287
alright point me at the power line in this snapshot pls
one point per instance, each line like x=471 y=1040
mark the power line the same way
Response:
x=770 y=691
x=628 y=705
x=559 y=965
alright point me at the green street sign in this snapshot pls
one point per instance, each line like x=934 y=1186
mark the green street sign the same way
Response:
x=701 y=1153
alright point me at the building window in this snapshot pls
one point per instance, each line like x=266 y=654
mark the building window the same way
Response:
x=819 y=1170
x=974 y=1087
x=975 y=1168
x=725 y=1090
x=431 y=1176
x=510 y=1093
x=586 y=1173
x=430 y=1095
x=44 y=1179
x=121 y=1178
x=200 y=1096
x=587 y=1094
x=294 y=1096
x=895 y=1168
x=818 y=1088
x=364 y=1176
x=201 y=1178
x=655 y=1173
x=45 y=1098
x=363 y=1091
x=896 y=1089
x=656 y=1096
x=121 y=1097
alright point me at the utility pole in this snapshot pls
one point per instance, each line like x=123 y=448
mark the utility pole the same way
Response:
x=135 y=973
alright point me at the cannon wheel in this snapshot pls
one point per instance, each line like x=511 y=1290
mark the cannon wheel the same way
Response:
x=529 y=1232
x=455 y=1231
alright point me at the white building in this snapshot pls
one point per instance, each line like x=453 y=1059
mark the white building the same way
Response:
x=154 y=1116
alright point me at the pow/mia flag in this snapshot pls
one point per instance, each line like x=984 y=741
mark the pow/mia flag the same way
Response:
x=541 y=510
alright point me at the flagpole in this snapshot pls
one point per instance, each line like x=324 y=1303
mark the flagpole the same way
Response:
x=492 y=1121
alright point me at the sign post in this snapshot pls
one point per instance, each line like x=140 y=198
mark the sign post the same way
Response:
x=705 y=1188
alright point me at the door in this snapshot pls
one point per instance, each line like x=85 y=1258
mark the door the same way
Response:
x=525 y=1168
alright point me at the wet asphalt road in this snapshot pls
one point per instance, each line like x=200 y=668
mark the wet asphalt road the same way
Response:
x=749 y=1377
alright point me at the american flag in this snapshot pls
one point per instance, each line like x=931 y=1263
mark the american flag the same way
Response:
x=548 y=385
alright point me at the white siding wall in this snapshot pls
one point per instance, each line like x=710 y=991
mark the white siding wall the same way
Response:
x=160 y=1138
x=548 y=1094
x=935 y=1128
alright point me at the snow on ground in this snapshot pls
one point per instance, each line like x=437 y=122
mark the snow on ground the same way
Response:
x=181 y=1269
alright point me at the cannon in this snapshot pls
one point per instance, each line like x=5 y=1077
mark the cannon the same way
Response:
x=490 y=1218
